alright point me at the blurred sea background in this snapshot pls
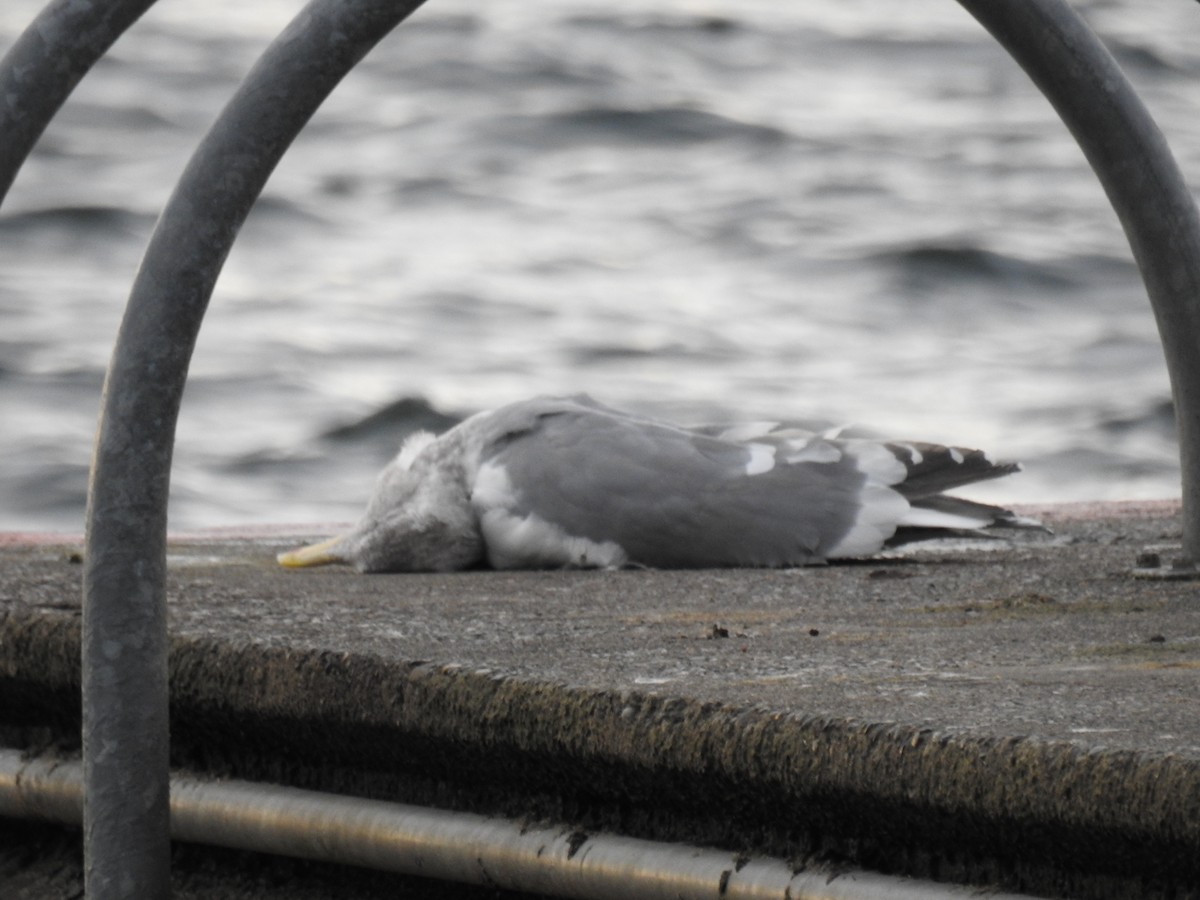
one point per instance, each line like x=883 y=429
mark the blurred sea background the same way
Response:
x=856 y=210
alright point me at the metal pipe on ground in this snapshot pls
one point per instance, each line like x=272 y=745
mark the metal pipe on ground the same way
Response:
x=460 y=847
x=48 y=60
x=1133 y=162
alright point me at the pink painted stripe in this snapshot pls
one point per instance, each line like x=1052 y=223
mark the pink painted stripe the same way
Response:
x=200 y=535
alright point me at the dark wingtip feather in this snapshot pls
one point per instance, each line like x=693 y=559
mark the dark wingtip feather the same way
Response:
x=933 y=468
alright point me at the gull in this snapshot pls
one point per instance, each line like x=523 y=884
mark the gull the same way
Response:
x=566 y=482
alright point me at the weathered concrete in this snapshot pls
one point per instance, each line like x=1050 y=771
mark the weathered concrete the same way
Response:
x=1024 y=714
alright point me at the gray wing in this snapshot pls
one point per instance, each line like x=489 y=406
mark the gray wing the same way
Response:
x=929 y=469
x=671 y=497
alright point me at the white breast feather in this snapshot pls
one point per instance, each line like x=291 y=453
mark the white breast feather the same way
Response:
x=520 y=541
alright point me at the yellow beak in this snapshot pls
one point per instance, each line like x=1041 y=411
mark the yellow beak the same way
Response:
x=321 y=554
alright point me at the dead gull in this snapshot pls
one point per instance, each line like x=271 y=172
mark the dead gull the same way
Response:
x=568 y=482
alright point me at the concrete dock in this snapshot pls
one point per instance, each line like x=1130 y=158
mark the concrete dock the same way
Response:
x=1017 y=715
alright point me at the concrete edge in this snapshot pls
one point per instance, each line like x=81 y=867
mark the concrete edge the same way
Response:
x=1021 y=812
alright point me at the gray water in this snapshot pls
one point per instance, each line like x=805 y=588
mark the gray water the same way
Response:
x=856 y=210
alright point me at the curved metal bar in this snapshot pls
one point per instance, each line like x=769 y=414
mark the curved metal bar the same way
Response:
x=124 y=604
x=1130 y=156
x=40 y=70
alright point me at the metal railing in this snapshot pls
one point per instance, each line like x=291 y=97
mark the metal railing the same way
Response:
x=124 y=651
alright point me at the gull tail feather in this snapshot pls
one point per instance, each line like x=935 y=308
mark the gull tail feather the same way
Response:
x=946 y=516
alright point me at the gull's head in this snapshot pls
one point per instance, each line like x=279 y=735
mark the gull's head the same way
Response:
x=419 y=519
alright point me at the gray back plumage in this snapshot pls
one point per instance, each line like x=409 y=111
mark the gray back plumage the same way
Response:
x=671 y=497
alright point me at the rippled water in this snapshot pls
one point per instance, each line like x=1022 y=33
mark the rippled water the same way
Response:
x=834 y=208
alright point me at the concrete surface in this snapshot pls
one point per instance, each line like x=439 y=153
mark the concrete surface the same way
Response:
x=1020 y=714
